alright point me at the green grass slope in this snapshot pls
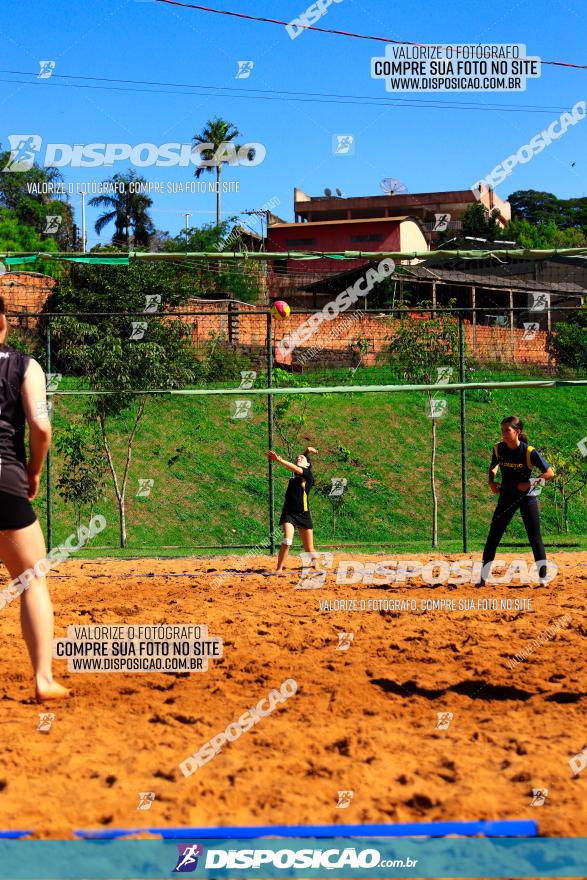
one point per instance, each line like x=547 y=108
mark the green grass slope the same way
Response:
x=210 y=470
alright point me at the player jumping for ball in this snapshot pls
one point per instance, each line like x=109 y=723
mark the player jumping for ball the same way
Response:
x=296 y=508
x=516 y=458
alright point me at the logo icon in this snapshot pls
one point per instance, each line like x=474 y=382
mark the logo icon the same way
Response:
x=344 y=799
x=43 y=409
x=245 y=69
x=443 y=375
x=52 y=224
x=540 y=302
x=53 y=380
x=531 y=328
x=343 y=144
x=146 y=799
x=443 y=720
x=145 y=487
x=187 y=860
x=536 y=486
x=46 y=719
x=344 y=641
x=240 y=409
x=23 y=148
x=578 y=762
x=339 y=484
x=437 y=408
x=47 y=68
x=247 y=379
x=539 y=795
x=152 y=302
x=138 y=330
x=312 y=577
x=441 y=222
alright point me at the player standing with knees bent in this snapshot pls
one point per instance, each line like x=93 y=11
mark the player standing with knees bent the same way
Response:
x=516 y=458
x=296 y=508
x=23 y=400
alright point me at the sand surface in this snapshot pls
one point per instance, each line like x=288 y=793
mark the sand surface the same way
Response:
x=363 y=719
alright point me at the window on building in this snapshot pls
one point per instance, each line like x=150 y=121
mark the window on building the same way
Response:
x=299 y=242
x=358 y=238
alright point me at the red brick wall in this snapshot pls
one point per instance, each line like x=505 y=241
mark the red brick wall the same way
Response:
x=336 y=336
x=25 y=292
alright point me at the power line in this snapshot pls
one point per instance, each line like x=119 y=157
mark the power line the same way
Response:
x=278 y=95
x=244 y=90
x=308 y=27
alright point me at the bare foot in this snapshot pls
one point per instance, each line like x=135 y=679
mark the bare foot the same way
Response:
x=51 y=691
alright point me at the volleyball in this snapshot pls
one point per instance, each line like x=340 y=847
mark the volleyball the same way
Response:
x=280 y=309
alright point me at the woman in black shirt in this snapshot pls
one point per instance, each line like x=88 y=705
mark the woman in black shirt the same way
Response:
x=23 y=401
x=296 y=508
x=515 y=458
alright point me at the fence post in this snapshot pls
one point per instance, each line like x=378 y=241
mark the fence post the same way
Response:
x=462 y=378
x=270 y=433
x=49 y=468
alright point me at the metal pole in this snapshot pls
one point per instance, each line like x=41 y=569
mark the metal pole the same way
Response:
x=463 y=434
x=270 y=434
x=49 y=469
x=512 y=331
x=83 y=195
x=474 y=308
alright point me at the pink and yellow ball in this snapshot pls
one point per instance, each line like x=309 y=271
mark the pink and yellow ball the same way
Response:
x=280 y=309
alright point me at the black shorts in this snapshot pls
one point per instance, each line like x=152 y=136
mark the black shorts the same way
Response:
x=298 y=520
x=16 y=512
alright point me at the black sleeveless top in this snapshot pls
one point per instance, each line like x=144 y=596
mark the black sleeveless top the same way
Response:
x=13 y=474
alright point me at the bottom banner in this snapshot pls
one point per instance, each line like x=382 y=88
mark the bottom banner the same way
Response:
x=294 y=857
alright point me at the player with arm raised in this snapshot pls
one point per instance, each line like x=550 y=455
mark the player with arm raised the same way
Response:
x=296 y=508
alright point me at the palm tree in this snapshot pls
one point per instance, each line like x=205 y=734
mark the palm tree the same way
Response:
x=216 y=132
x=128 y=210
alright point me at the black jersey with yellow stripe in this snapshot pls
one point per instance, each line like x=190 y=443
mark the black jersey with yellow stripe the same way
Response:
x=298 y=491
x=516 y=464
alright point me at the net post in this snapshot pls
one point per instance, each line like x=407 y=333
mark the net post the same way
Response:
x=49 y=457
x=463 y=434
x=270 y=434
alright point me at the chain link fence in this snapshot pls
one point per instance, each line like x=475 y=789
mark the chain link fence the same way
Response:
x=182 y=468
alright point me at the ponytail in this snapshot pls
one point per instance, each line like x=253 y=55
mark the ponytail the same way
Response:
x=517 y=425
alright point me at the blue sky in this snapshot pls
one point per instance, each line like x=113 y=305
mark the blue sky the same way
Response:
x=428 y=148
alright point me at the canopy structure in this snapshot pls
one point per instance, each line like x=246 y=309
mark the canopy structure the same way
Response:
x=123 y=258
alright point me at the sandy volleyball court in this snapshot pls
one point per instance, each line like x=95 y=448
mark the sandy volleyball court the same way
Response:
x=364 y=719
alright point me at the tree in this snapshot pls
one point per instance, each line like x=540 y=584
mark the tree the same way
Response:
x=477 y=224
x=336 y=497
x=243 y=281
x=290 y=411
x=360 y=349
x=123 y=356
x=16 y=236
x=32 y=196
x=570 y=341
x=534 y=206
x=209 y=237
x=570 y=469
x=544 y=208
x=419 y=347
x=128 y=210
x=542 y=236
x=217 y=132
x=81 y=479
